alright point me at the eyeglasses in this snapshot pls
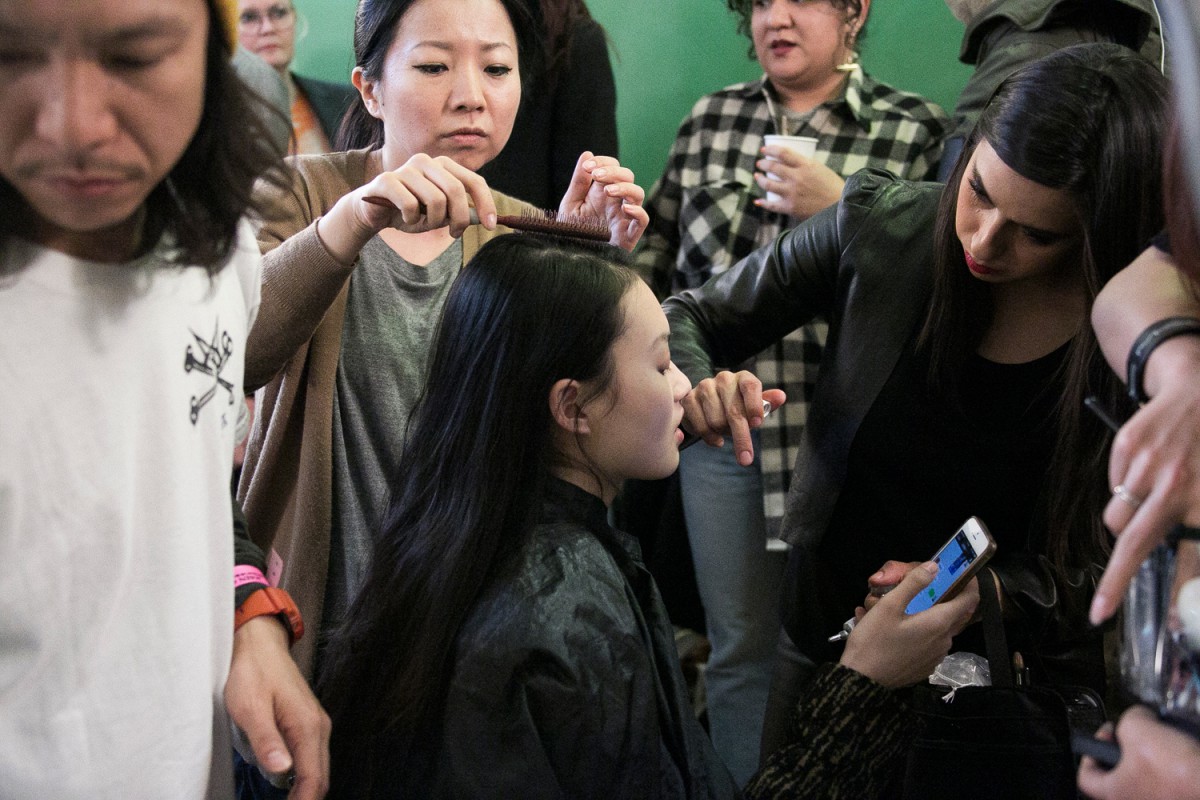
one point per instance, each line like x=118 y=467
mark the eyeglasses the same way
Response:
x=280 y=17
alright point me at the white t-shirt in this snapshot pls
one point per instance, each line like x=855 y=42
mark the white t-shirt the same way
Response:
x=120 y=387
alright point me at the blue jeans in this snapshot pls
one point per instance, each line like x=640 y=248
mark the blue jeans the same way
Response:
x=791 y=673
x=739 y=588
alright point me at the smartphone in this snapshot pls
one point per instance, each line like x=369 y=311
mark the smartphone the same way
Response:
x=958 y=561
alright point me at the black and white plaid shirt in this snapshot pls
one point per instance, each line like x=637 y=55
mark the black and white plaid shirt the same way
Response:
x=703 y=218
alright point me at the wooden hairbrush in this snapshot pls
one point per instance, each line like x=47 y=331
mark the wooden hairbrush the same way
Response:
x=547 y=222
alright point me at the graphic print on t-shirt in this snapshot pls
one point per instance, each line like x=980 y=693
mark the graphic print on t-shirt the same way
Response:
x=214 y=355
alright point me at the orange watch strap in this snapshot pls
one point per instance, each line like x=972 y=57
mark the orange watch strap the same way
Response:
x=274 y=602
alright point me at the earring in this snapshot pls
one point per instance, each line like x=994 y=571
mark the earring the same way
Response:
x=851 y=62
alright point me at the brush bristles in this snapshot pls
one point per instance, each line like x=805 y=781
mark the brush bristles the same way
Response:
x=551 y=222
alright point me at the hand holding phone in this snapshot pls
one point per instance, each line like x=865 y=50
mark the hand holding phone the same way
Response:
x=896 y=649
x=958 y=560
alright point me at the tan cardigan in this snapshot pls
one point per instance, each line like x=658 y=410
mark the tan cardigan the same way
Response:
x=293 y=351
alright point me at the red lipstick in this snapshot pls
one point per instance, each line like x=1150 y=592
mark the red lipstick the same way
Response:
x=975 y=266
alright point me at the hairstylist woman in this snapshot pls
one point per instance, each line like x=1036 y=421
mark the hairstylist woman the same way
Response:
x=709 y=210
x=352 y=290
x=959 y=356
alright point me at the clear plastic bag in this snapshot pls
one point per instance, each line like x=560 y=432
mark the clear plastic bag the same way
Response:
x=961 y=669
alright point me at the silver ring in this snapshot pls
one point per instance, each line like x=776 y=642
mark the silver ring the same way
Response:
x=1120 y=491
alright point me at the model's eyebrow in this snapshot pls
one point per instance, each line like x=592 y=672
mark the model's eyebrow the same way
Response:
x=661 y=339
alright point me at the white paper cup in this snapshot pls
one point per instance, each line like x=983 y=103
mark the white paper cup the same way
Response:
x=801 y=145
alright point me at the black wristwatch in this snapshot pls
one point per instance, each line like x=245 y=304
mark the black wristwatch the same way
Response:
x=1143 y=346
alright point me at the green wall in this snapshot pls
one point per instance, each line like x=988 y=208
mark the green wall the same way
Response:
x=667 y=53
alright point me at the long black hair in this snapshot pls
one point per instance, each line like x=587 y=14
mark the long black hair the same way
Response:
x=199 y=203
x=1088 y=120
x=523 y=314
x=375 y=26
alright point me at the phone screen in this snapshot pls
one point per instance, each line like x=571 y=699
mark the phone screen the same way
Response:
x=955 y=557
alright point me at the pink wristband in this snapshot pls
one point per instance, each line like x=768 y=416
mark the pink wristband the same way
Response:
x=243 y=575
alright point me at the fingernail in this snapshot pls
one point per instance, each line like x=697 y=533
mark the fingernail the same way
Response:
x=931 y=567
x=277 y=761
x=878 y=574
x=589 y=164
x=491 y=220
x=1099 y=611
x=599 y=173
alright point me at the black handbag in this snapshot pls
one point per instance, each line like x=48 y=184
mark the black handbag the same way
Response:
x=1005 y=741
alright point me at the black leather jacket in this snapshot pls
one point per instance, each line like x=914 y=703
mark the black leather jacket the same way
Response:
x=566 y=682
x=865 y=265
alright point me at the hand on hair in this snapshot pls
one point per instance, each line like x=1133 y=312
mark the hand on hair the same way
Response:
x=897 y=649
x=270 y=701
x=804 y=185
x=602 y=189
x=423 y=194
x=1157 y=762
x=729 y=403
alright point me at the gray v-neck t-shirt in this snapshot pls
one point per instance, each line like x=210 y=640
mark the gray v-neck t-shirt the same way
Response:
x=392 y=311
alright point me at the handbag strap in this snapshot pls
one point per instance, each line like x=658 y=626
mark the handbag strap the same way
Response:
x=994 y=639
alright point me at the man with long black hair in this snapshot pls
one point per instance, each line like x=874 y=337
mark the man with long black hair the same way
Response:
x=128 y=285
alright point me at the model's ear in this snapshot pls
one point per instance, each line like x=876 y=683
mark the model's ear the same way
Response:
x=369 y=91
x=861 y=19
x=565 y=407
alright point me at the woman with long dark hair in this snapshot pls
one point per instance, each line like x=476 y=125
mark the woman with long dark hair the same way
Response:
x=507 y=642
x=958 y=361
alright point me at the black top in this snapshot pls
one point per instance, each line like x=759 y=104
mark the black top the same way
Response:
x=920 y=465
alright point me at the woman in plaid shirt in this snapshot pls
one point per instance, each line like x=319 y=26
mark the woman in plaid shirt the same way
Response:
x=709 y=210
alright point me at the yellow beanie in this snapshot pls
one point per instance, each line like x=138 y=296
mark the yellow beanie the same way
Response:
x=227 y=10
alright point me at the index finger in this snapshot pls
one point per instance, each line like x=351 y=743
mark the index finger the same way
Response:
x=784 y=155
x=890 y=574
x=740 y=419
x=577 y=189
x=478 y=190
x=1147 y=528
